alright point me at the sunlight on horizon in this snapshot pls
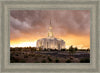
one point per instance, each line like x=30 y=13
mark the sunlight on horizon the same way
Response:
x=25 y=44
x=33 y=44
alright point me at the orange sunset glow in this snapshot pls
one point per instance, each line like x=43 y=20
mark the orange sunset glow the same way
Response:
x=27 y=26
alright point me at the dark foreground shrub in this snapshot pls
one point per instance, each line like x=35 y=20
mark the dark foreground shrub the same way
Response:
x=44 y=61
x=85 y=60
x=57 y=61
x=50 y=60
x=13 y=60
x=68 y=61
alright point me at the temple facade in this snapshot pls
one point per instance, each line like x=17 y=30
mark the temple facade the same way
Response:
x=51 y=42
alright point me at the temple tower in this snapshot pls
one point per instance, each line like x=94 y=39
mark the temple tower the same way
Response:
x=50 y=32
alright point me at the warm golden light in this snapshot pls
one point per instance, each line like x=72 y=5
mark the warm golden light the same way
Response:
x=82 y=42
x=25 y=44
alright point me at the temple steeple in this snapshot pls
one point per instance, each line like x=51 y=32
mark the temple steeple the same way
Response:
x=50 y=33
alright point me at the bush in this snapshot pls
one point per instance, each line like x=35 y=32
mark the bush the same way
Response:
x=68 y=61
x=85 y=60
x=63 y=49
x=44 y=61
x=14 y=60
x=50 y=60
x=56 y=60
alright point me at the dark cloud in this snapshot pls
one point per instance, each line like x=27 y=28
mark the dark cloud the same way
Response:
x=35 y=22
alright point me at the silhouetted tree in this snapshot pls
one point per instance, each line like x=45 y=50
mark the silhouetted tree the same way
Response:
x=63 y=49
x=71 y=51
x=76 y=48
x=88 y=49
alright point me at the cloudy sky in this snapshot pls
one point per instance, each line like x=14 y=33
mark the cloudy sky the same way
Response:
x=27 y=26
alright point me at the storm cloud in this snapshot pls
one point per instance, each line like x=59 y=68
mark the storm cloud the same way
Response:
x=24 y=23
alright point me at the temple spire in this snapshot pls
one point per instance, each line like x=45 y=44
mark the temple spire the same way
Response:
x=50 y=33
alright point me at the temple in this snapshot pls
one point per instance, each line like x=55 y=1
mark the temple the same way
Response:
x=50 y=42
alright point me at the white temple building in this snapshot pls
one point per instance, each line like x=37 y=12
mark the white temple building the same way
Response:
x=51 y=42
